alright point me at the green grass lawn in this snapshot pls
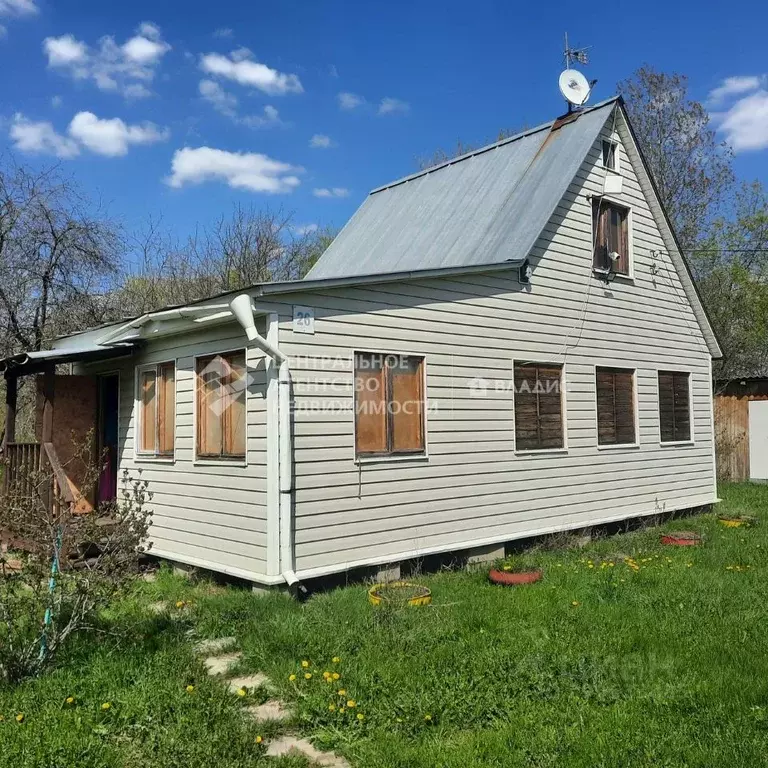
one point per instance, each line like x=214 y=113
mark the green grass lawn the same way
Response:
x=663 y=665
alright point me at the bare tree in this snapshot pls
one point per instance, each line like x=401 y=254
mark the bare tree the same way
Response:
x=691 y=168
x=56 y=256
x=440 y=155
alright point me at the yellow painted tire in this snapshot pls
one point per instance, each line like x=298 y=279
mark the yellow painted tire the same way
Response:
x=376 y=599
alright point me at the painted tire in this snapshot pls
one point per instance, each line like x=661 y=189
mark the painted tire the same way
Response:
x=509 y=579
x=681 y=539
x=374 y=598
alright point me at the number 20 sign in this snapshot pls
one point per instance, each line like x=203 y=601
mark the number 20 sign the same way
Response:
x=303 y=319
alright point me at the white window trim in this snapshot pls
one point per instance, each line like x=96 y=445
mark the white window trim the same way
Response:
x=213 y=461
x=563 y=408
x=616 y=141
x=692 y=439
x=630 y=277
x=153 y=456
x=421 y=456
x=635 y=407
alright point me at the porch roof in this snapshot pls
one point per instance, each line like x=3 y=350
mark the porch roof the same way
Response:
x=34 y=362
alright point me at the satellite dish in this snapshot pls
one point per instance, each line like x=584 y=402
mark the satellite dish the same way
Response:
x=574 y=87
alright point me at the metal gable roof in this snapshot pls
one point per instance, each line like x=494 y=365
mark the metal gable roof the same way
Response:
x=486 y=207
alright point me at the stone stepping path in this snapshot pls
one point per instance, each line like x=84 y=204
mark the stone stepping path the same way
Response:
x=219 y=664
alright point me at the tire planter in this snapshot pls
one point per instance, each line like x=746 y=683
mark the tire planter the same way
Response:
x=399 y=593
x=741 y=521
x=512 y=579
x=681 y=539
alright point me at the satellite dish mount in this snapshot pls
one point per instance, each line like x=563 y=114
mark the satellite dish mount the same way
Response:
x=575 y=88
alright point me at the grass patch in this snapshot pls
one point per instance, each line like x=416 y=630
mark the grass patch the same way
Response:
x=661 y=660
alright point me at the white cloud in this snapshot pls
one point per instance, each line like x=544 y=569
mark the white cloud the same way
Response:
x=223 y=32
x=126 y=68
x=745 y=124
x=18 y=8
x=240 y=170
x=111 y=138
x=218 y=98
x=40 y=138
x=733 y=86
x=388 y=106
x=306 y=229
x=333 y=192
x=321 y=141
x=241 y=69
x=270 y=117
x=350 y=101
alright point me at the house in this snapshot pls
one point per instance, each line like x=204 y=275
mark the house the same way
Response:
x=504 y=345
x=741 y=428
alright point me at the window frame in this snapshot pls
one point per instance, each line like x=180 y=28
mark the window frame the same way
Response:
x=635 y=410
x=563 y=407
x=615 y=142
x=204 y=459
x=369 y=458
x=691 y=432
x=138 y=452
x=612 y=201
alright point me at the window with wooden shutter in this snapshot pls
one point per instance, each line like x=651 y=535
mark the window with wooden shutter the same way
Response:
x=610 y=224
x=615 y=406
x=157 y=409
x=538 y=407
x=389 y=404
x=675 y=406
x=220 y=406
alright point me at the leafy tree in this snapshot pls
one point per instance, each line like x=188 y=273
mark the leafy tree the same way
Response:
x=691 y=168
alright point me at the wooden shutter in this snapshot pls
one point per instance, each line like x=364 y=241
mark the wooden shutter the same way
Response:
x=615 y=407
x=233 y=415
x=674 y=406
x=166 y=408
x=406 y=404
x=148 y=387
x=600 y=257
x=208 y=421
x=538 y=407
x=611 y=232
x=370 y=404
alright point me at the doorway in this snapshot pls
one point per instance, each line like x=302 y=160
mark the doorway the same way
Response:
x=109 y=401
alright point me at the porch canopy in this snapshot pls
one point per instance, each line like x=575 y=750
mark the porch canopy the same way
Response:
x=37 y=362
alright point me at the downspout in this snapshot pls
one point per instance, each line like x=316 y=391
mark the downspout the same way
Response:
x=242 y=309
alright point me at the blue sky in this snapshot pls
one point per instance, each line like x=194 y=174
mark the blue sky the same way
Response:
x=180 y=109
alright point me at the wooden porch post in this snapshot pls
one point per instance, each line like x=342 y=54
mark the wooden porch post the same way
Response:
x=49 y=377
x=11 y=391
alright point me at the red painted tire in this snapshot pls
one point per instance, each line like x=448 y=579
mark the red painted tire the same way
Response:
x=681 y=539
x=510 y=579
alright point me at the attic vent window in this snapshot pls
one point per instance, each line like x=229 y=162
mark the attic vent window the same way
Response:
x=610 y=155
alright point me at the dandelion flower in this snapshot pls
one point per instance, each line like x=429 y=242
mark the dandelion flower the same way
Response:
x=305 y=664
x=351 y=704
x=360 y=716
x=331 y=707
x=575 y=603
x=326 y=675
x=106 y=706
x=190 y=689
x=428 y=718
x=335 y=675
x=307 y=675
x=259 y=739
x=242 y=692
x=342 y=692
x=291 y=677
x=335 y=659
x=20 y=717
x=341 y=709
x=507 y=568
x=70 y=700
x=180 y=603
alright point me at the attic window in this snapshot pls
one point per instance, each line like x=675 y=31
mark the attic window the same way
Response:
x=610 y=155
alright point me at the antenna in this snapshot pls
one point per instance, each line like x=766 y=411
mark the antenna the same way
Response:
x=573 y=85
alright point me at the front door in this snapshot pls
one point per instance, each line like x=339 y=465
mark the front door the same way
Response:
x=758 y=440
x=108 y=412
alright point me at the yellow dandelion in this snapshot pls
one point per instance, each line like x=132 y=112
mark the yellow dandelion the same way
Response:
x=305 y=664
x=360 y=716
x=331 y=707
x=335 y=659
x=2 y=719
x=336 y=676
x=351 y=703
x=326 y=675
x=575 y=603
x=242 y=692
x=259 y=739
x=180 y=603
x=20 y=717
x=190 y=689
x=341 y=709
x=507 y=568
x=428 y=718
x=106 y=706
x=307 y=675
x=342 y=692
x=70 y=700
x=291 y=677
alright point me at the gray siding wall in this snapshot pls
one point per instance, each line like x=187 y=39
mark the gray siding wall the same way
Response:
x=205 y=512
x=473 y=487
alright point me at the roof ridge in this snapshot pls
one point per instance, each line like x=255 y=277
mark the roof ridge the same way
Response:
x=487 y=147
